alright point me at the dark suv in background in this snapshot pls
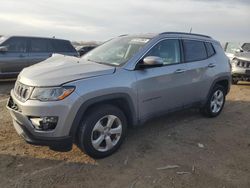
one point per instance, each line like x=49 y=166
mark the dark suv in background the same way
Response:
x=18 y=52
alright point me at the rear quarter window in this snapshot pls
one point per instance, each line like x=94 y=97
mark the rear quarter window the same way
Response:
x=194 y=50
x=210 y=49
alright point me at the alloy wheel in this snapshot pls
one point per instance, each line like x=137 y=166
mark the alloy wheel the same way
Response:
x=106 y=133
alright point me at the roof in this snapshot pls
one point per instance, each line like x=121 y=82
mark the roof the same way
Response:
x=8 y=36
x=175 y=34
x=186 y=34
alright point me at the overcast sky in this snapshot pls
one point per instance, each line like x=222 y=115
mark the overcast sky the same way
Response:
x=225 y=20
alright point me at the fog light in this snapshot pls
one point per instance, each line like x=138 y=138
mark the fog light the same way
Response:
x=44 y=123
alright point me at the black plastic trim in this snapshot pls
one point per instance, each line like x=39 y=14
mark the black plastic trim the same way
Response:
x=57 y=144
x=82 y=110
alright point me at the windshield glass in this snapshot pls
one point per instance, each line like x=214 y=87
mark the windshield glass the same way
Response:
x=116 y=51
x=246 y=47
x=2 y=39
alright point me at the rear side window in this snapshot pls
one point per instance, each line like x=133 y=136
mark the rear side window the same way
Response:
x=16 y=44
x=40 y=45
x=194 y=50
x=210 y=49
x=62 y=46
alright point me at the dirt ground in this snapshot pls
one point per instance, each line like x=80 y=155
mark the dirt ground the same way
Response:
x=207 y=153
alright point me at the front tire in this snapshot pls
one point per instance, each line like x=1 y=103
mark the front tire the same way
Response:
x=102 y=131
x=215 y=102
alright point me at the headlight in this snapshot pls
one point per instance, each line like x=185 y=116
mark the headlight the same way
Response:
x=51 y=94
x=235 y=61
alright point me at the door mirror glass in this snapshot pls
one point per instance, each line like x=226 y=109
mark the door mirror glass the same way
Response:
x=152 y=61
x=3 y=49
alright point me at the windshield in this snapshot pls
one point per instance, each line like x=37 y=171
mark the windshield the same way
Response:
x=116 y=51
x=2 y=39
x=246 y=47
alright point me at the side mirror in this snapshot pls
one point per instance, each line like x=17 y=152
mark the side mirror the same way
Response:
x=3 y=49
x=238 y=50
x=151 y=61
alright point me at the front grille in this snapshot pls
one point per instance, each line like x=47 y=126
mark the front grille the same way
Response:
x=22 y=92
x=244 y=64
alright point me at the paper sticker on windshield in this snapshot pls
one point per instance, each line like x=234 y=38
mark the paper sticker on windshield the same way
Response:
x=139 y=40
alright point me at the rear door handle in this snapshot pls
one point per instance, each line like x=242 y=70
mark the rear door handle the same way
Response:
x=180 y=71
x=211 y=65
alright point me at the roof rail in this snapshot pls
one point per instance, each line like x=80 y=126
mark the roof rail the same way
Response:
x=194 y=34
x=122 y=35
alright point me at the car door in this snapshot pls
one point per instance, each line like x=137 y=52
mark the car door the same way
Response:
x=162 y=89
x=16 y=56
x=199 y=69
x=39 y=50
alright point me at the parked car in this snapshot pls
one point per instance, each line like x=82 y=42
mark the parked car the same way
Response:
x=85 y=48
x=239 y=54
x=124 y=82
x=18 y=52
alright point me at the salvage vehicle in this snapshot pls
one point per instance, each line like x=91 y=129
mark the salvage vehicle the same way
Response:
x=239 y=54
x=91 y=101
x=18 y=52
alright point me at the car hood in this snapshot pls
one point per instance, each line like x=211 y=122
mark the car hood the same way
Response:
x=60 y=69
x=243 y=56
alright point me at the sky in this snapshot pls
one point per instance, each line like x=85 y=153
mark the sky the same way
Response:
x=84 y=20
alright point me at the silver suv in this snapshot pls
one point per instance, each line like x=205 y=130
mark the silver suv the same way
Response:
x=91 y=101
x=239 y=54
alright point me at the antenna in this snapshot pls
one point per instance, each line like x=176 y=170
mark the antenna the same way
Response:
x=191 y=29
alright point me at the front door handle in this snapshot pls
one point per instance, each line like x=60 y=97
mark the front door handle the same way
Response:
x=180 y=71
x=211 y=65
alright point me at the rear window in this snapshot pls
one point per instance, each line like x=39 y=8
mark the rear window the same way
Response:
x=194 y=50
x=210 y=49
x=62 y=46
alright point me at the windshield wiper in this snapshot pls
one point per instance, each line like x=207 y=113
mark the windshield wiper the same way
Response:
x=99 y=62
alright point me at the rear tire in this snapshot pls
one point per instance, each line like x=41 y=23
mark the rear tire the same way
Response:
x=102 y=131
x=215 y=102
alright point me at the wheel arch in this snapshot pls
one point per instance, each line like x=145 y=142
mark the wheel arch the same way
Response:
x=224 y=81
x=121 y=100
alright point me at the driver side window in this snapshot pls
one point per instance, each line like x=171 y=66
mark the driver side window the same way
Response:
x=168 y=50
x=16 y=45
